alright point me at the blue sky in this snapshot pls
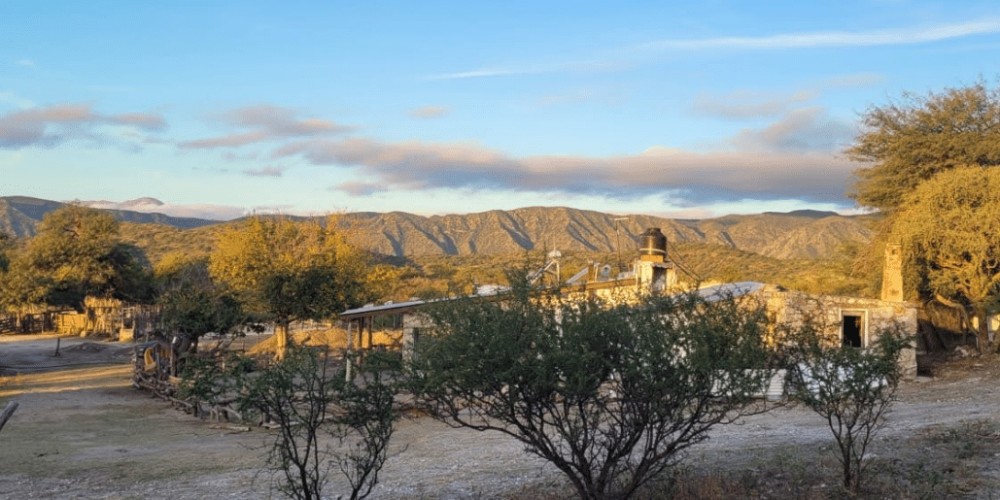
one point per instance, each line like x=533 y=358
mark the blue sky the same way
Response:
x=682 y=109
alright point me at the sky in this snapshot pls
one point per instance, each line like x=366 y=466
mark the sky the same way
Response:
x=679 y=109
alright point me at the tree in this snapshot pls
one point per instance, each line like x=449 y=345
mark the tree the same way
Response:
x=77 y=253
x=286 y=270
x=851 y=388
x=905 y=143
x=948 y=226
x=193 y=304
x=611 y=395
x=5 y=247
x=308 y=401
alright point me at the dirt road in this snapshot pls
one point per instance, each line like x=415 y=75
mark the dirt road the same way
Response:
x=82 y=431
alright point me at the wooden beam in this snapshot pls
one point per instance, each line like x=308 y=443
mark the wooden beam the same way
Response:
x=7 y=412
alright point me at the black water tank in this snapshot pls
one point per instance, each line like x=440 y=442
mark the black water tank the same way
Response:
x=653 y=242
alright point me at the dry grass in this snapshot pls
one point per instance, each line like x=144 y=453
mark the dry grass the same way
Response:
x=942 y=463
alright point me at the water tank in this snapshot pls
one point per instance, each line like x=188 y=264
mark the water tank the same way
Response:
x=653 y=242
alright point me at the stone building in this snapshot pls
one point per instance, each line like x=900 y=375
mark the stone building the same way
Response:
x=849 y=321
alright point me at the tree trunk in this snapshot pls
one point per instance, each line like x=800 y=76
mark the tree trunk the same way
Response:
x=983 y=343
x=281 y=336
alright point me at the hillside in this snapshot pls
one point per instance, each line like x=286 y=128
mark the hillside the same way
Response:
x=20 y=214
x=782 y=236
x=796 y=235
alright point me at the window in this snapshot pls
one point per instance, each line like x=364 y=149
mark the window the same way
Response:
x=853 y=331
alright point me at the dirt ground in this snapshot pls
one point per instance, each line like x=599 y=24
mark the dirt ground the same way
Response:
x=82 y=431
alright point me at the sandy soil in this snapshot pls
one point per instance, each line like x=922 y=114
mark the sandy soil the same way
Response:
x=82 y=431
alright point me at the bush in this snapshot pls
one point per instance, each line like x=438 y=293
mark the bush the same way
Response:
x=306 y=400
x=851 y=388
x=609 y=394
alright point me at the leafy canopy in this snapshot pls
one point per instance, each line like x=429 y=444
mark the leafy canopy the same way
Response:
x=909 y=141
x=77 y=252
x=949 y=226
x=290 y=270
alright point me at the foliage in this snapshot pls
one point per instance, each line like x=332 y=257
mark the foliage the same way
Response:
x=289 y=270
x=159 y=241
x=306 y=400
x=192 y=303
x=21 y=286
x=5 y=248
x=851 y=388
x=609 y=394
x=907 y=142
x=190 y=311
x=77 y=253
x=948 y=226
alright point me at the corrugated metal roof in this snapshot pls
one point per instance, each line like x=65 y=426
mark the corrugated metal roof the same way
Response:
x=727 y=290
x=370 y=308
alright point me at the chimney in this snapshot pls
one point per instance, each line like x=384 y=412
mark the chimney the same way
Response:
x=892 y=274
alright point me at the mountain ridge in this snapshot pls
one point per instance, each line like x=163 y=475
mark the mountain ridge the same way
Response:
x=801 y=234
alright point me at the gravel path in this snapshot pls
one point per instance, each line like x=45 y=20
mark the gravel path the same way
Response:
x=85 y=433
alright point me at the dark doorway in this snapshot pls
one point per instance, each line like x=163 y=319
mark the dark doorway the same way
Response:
x=851 y=333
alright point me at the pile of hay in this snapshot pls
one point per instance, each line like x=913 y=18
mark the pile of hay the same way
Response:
x=334 y=339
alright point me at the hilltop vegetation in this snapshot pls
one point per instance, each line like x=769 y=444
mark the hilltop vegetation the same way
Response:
x=808 y=251
x=801 y=234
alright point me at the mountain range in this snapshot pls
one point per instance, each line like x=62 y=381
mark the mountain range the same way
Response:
x=800 y=234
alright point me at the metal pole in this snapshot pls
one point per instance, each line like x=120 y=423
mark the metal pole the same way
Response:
x=618 y=237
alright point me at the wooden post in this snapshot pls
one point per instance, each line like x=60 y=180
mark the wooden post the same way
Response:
x=56 y=355
x=7 y=412
x=350 y=347
x=371 y=334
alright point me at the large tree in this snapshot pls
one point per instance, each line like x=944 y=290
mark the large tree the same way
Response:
x=76 y=253
x=950 y=229
x=611 y=395
x=287 y=270
x=908 y=141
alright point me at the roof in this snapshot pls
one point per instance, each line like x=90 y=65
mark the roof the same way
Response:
x=388 y=307
x=730 y=290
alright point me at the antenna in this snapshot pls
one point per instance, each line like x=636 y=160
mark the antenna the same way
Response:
x=618 y=237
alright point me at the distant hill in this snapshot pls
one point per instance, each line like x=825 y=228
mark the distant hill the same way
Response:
x=802 y=234
x=808 y=234
x=20 y=214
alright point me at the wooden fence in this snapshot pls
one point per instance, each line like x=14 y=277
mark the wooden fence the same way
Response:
x=29 y=323
x=126 y=320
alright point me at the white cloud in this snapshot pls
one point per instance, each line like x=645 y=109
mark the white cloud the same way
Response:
x=749 y=104
x=625 y=55
x=195 y=210
x=267 y=171
x=427 y=112
x=904 y=36
x=52 y=125
x=265 y=123
x=15 y=100
x=775 y=163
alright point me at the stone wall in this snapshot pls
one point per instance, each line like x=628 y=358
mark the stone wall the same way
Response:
x=828 y=311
